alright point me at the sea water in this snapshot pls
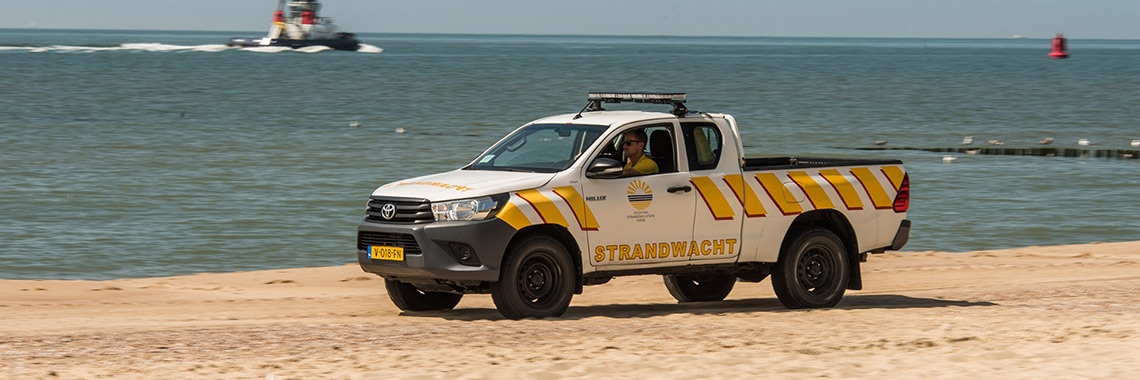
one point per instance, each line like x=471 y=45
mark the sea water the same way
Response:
x=147 y=153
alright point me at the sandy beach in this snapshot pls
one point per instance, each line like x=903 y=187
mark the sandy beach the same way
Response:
x=1035 y=312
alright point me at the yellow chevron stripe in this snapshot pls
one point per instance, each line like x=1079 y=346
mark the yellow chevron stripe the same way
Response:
x=513 y=216
x=746 y=196
x=874 y=189
x=714 y=199
x=546 y=209
x=775 y=189
x=842 y=186
x=819 y=199
x=895 y=174
x=578 y=205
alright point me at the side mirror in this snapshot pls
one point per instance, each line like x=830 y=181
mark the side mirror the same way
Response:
x=605 y=168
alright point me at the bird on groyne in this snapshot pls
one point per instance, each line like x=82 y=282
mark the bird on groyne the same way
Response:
x=1084 y=142
x=1046 y=141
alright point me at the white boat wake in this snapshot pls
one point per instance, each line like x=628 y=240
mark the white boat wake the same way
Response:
x=165 y=48
x=366 y=48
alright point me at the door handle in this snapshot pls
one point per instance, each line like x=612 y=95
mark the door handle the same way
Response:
x=680 y=189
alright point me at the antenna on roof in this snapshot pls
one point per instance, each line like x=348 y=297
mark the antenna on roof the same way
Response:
x=591 y=106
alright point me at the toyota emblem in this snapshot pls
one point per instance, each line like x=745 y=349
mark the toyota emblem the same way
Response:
x=388 y=211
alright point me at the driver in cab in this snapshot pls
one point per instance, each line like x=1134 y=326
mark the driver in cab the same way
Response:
x=636 y=162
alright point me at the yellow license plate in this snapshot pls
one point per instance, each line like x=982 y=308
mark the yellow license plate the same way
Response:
x=378 y=252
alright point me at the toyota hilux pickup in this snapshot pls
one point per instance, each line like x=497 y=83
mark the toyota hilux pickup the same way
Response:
x=552 y=208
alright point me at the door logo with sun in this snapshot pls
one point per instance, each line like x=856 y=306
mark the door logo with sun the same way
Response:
x=639 y=195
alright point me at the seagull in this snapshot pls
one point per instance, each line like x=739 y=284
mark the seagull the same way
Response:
x=1136 y=142
x=995 y=142
x=401 y=130
x=968 y=140
x=948 y=159
x=1084 y=142
x=354 y=124
x=972 y=151
x=880 y=142
x=1046 y=141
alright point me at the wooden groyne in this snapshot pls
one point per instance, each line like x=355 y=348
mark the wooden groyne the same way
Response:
x=1126 y=154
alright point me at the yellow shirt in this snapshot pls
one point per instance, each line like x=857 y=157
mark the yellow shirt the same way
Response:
x=644 y=165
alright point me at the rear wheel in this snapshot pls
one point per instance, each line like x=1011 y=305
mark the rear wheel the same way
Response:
x=409 y=298
x=700 y=287
x=536 y=281
x=812 y=272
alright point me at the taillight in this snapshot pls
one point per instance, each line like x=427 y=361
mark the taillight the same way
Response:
x=902 y=199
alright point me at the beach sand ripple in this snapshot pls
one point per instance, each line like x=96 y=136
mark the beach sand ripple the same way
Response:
x=1034 y=312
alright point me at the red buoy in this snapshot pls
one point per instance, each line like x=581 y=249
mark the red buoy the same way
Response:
x=1060 y=47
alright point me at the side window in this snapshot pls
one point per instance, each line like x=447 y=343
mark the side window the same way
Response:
x=655 y=142
x=661 y=149
x=704 y=145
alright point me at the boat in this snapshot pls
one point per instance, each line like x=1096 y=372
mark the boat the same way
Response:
x=302 y=27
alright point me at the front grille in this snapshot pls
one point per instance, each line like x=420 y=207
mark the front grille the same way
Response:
x=388 y=239
x=408 y=210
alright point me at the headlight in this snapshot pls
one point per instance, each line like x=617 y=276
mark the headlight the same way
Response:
x=466 y=209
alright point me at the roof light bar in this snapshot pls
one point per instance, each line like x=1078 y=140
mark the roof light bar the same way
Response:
x=595 y=100
x=638 y=97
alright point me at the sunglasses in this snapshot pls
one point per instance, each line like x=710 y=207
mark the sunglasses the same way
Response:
x=631 y=142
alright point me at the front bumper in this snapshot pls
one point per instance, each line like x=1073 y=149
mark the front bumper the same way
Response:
x=432 y=250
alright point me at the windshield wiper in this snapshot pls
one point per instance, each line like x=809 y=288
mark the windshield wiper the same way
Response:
x=515 y=170
x=502 y=169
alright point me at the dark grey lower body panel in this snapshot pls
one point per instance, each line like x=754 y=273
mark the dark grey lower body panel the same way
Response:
x=902 y=236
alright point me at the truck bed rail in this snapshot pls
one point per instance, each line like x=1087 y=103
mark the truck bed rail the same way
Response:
x=759 y=163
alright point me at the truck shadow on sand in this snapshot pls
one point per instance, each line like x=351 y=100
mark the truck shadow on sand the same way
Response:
x=850 y=302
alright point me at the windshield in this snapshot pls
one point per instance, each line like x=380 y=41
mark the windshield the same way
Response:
x=541 y=148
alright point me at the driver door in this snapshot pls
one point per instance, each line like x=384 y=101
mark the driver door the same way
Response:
x=646 y=220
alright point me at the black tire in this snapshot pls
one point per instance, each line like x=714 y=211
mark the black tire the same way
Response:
x=700 y=287
x=409 y=298
x=812 y=271
x=536 y=281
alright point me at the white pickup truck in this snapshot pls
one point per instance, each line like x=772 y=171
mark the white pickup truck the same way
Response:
x=549 y=209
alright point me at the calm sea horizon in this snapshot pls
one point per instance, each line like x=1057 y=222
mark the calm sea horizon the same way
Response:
x=161 y=153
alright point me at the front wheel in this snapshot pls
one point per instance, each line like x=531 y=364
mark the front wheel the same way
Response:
x=699 y=288
x=409 y=298
x=537 y=280
x=812 y=271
